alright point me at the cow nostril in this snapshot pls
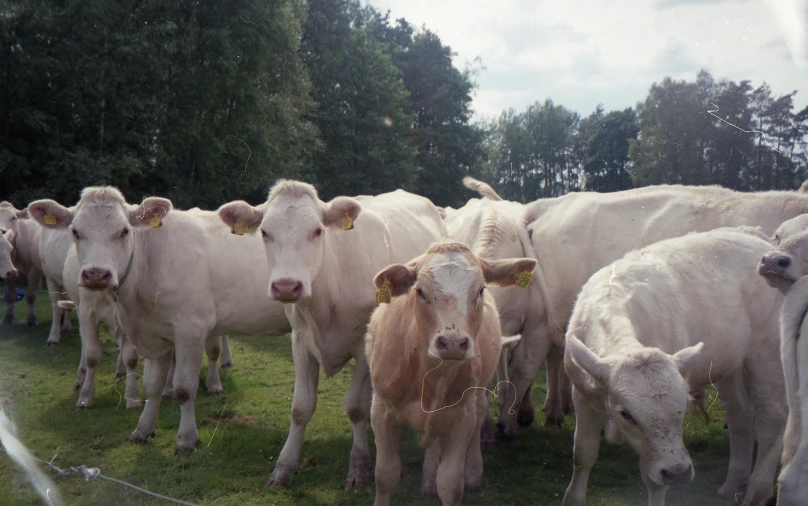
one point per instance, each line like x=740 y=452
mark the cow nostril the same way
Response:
x=783 y=262
x=464 y=344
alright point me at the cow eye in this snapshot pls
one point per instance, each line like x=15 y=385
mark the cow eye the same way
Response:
x=265 y=236
x=481 y=291
x=124 y=232
x=318 y=232
x=420 y=293
x=627 y=416
x=13 y=218
x=76 y=235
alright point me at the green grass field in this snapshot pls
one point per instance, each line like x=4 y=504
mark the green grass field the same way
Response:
x=242 y=432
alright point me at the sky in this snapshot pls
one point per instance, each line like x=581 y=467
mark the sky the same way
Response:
x=583 y=52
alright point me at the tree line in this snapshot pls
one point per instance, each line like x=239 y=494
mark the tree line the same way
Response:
x=205 y=102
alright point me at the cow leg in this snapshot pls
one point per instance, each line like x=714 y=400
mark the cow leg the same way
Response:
x=34 y=279
x=557 y=381
x=11 y=299
x=213 y=349
x=387 y=432
x=67 y=321
x=451 y=469
x=429 y=474
x=188 y=351
x=656 y=492
x=473 y=472
x=55 y=293
x=154 y=376
x=307 y=376
x=168 y=388
x=91 y=352
x=733 y=396
x=357 y=404
x=129 y=358
x=588 y=425
x=227 y=356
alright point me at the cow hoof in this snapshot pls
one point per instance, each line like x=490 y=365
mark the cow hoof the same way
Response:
x=52 y=344
x=554 y=420
x=134 y=404
x=184 y=448
x=731 y=492
x=487 y=438
x=215 y=389
x=506 y=433
x=358 y=471
x=429 y=487
x=32 y=321
x=473 y=486
x=280 y=477
x=84 y=403
x=525 y=417
x=356 y=480
x=226 y=363
x=138 y=437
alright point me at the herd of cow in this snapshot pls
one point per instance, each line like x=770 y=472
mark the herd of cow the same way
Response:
x=636 y=300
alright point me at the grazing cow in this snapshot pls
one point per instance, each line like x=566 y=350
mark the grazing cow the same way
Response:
x=440 y=332
x=54 y=244
x=786 y=268
x=322 y=257
x=25 y=257
x=7 y=270
x=494 y=230
x=575 y=235
x=175 y=280
x=665 y=321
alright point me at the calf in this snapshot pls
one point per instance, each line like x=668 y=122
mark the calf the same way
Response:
x=440 y=332
x=321 y=257
x=25 y=257
x=665 y=321
x=786 y=268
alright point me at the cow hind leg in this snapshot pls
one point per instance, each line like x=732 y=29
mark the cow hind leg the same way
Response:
x=527 y=358
x=34 y=279
x=733 y=396
x=55 y=291
x=227 y=356
x=154 y=377
x=213 y=349
x=168 y=387
x=307 y=375
x=357 y=404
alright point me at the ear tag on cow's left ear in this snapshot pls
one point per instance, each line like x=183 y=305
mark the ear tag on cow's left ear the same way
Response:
x=523 y=279
x=155 y=222
x=383 y=294
x=240 y=228
x=346 y=223
x=49 y=219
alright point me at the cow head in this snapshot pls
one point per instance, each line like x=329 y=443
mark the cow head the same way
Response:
x=10 y=216
x=788 y=262
x=447 y=285
x=101 y=224
x=294 y=224
x=7 y=269
x=646 y=398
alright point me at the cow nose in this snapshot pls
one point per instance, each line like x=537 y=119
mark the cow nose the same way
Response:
x=286 y=289
x=678 y=474
x=774 y=263
x=453 y=346
x=11 y=274
x=95 y=277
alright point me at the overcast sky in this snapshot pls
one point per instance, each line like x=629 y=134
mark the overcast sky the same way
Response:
x=581 y=53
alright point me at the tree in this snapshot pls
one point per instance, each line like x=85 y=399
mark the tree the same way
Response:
x=606 y=139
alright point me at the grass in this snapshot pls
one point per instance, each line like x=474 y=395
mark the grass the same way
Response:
x=242 y=431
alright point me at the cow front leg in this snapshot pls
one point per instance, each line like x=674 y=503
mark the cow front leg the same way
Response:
x=588 y=425
x=656 y=492
x=738 y=408
x=387 y=432
x=307 y=375
x=91 y=353
x=129 y=358
x=227 y=356
x=168 y=388
x=357 y=405
x=34 y=279
x=55 y=293
x=154 y=377
x=455 y=446
x=473 y=474
x=188 y=352
x=213 y=349
x=429 y=474
x=11 y=299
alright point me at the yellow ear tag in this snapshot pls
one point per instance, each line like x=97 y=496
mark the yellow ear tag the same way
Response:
x=155 y=222
x=383 y=294
x=49 y=219
x=240 y=228
x=523 y=279
x=346 y=223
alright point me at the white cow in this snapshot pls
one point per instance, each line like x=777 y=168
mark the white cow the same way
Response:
x=494 y=230
x=323 y=257
x=665 y=321
x=25 y=257
x=786 y=268
x=7 y=270
x=54 y=245
x=176 y=281
x=575 y=235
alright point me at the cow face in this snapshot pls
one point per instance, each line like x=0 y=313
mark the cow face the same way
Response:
x=294 y=224
x=10 y=216
x=789 y=261
x=7 y=269
x=646 y=398
x=448 y=286
x=102 y=227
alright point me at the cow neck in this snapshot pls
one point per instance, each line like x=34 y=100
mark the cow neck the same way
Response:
x=123 y=276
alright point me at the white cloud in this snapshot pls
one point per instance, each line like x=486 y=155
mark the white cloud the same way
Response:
x=581 y=53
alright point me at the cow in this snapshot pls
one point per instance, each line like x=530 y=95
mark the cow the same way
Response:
x=322 y=257
x=786 y=268
x=494 y=229
x=575 y=235
x=440 y=332
x=663 y=322
x=53 y=246
x=25 y=257
x=175 y=280
x=7 y=270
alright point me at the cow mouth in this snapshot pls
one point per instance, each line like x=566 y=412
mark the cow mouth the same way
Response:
x=95 y=285
x=772 y=276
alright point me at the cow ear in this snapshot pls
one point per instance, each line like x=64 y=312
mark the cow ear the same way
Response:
x=50 y=213
x=341 y=212
x=150 y=209
x=583 y=366
x=23 y=214
x=687 y=358
x=400 y=277
x=241 y=217
x=506 y=272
